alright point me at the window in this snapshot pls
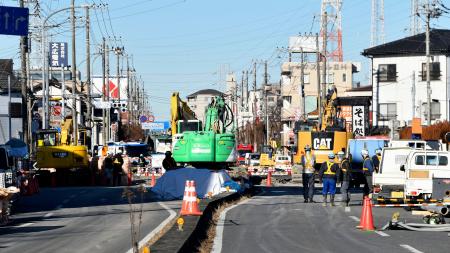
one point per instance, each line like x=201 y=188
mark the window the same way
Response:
x=270 y=99
x=344 y=77
x=388 y=111
x=306 y=78
x=420 y=160
x=330 y=78
x=387 y=73
x=288 y=99
x=443 y=161
x=432 y=160
x=435 y=71
x=435 y=110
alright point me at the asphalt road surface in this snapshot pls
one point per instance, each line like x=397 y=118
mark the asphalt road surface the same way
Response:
x=279 y=221
x=78 y=219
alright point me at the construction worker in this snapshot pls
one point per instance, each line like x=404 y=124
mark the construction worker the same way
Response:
x=117 y=168
x=328 y=174
x=368 y=169
x=308 y=162
x=376 y=160
x=169 y=163
x=345 y=169
x=108 y=168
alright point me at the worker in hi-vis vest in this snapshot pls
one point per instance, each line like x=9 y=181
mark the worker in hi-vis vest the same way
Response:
x=328 y=175
x=376 y=160
x=308 y=162
x=368 y=169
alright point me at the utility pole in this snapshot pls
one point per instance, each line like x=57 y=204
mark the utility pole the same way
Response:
x=74 y=77
x=24 y=75
x=108 y=113
x=242 y=89
x=302 y=85
x=88 y=70
x=267 y=104
x=128 y=93
x=246 y=90
x=255 y=110
x=324 y=48
x=118 y=51
x=319 y=98
x=104 y=136
x=427 y=45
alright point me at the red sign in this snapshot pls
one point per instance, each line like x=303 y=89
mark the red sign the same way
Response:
x=56 y=110
x=113 y=90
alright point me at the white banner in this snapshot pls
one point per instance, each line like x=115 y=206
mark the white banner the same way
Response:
x=102 y=104
x=358 y=116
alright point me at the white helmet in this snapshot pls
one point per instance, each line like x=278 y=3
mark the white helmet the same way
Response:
x=378 y=151
x=341 y=153
x=364 y=152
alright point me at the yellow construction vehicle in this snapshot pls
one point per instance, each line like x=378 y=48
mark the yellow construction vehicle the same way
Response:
x=54 y=150
x=182 y=117
x=330 y=135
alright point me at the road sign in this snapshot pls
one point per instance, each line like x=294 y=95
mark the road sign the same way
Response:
x=146 y=118
x=102 y=104
x=143 y=119
x=14 y=21
x=58 y=54
x=156 y=126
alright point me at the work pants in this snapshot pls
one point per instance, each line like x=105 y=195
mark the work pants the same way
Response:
x=345 y=191
x=308 y=185
x=368 y=185
x=329 y=186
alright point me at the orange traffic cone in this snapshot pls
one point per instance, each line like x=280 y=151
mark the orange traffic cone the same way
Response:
x=366 y=222
x=153 y=182
x=363 y=212
x=190 y=205
x=269 y=179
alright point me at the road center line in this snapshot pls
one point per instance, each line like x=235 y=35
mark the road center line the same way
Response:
x=354 y=218
x=172 y=215
x=48 y=215
x=382 y=233
x=411 y=249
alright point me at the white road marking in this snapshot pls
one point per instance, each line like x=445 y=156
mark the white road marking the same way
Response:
x=410 y=249
x=382 y=233
x=24 y=225
x=298 y=209
x=217 y=246
x=172 y=215
x=354 y=218
x=48 y=215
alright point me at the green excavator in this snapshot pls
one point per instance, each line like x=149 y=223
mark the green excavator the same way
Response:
x=212 y=147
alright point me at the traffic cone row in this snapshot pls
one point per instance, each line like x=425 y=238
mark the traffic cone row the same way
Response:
x=366 y=221
x=190 y=204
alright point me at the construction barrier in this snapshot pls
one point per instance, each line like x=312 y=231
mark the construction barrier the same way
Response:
x=412 y=205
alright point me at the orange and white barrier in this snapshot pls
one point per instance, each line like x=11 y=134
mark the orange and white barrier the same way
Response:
x=190 y=205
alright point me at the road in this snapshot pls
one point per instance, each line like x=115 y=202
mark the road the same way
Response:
x=279 y=221
x=78 y=219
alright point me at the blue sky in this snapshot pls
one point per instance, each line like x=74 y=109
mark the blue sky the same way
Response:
x=185 y=45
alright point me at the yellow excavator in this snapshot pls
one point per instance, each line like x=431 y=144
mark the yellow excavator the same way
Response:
x=55 y=150
x=182 y=117
x=330 y=135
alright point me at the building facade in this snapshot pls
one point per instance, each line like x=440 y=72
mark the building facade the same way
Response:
x=199 y=101
x=399 y=79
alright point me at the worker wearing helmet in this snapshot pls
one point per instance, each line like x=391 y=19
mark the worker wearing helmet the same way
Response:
x=368 y=169
x=169 y=163
x=376 y=160
x=308 y=162
x=345 y=169
x=328 y=174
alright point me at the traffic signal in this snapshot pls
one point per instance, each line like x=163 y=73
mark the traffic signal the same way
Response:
x=120 y=106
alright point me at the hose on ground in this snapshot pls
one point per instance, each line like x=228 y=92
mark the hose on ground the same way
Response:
x=419 y=227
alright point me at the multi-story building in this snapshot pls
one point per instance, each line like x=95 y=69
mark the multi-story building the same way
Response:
x=399 y=79
x=198 y=101
x=339 y=74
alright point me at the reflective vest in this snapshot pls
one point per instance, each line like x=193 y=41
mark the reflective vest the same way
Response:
x=379 y=158
x=364 y=162
x=308 y=164
x=328 y=171
x=342 y=168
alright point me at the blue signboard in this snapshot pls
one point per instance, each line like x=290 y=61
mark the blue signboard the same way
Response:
x=13 y=21
x=58 y=54
x=159 y=126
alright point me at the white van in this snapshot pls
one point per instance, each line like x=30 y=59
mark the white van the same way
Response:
x=283 y=162
x=389 y=181
x=420 y=169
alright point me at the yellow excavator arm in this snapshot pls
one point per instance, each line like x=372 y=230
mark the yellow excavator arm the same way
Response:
x=329 y=112
x=179 y=110
x=65 y=132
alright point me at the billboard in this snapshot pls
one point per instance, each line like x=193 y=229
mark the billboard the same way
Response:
x=305 y=43
x=97 y=88
x=58 y=54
